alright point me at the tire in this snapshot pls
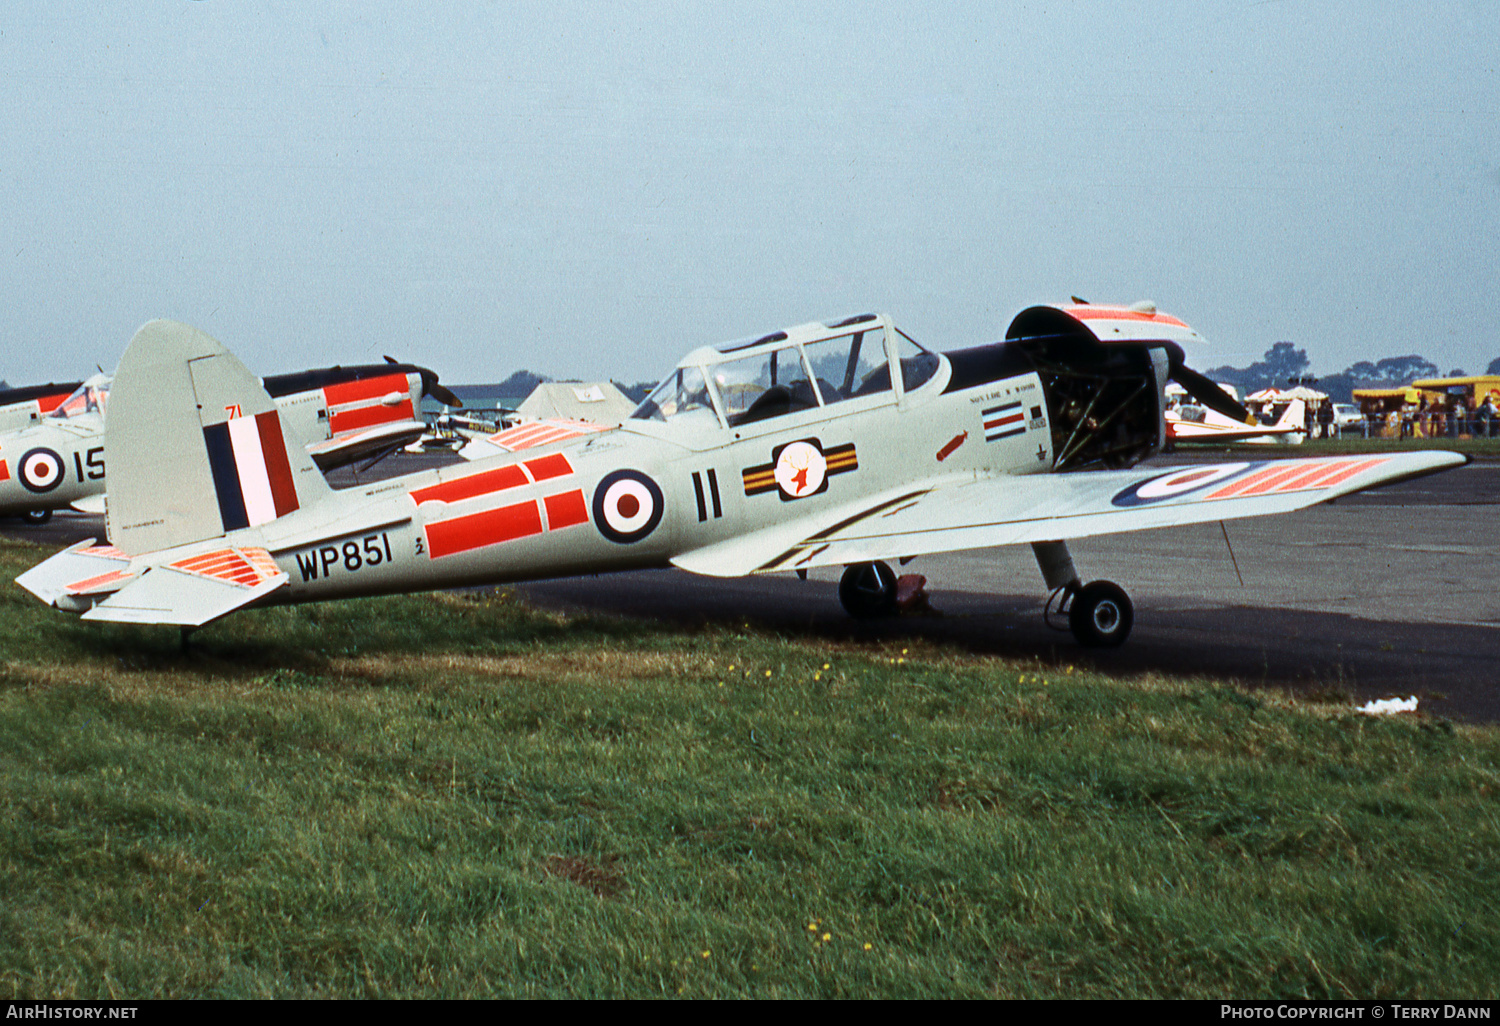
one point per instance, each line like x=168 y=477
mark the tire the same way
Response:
x=1101 y=615
x=868 y=591
x=37 y=516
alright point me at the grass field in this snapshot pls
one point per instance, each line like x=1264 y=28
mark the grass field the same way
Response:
x=456 y=796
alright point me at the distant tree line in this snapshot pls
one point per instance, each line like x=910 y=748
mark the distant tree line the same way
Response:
x=1284 y=364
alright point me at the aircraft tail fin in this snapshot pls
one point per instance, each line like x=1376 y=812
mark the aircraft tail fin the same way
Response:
x=1293 y=417
x=195 y=445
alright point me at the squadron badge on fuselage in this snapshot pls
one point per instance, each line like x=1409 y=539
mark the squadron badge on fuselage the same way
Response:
x=799 y=469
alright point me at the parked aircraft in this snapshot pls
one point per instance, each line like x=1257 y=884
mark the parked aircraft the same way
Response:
x=22 y=407
x=828 y=444
x=1197 y=424
x=340 y=414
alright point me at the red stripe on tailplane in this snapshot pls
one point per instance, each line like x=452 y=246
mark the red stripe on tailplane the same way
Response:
x=497 y=480
x=278 y=467
x=491 y=527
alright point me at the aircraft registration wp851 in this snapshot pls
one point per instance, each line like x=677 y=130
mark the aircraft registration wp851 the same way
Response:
x=842 y=443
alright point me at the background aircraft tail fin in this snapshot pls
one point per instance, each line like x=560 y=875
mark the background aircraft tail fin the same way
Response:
x=195 y=446
x=1294 y=416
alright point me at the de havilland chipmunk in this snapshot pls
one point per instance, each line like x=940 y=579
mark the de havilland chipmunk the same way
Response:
x=52 y=455
x=828 y=444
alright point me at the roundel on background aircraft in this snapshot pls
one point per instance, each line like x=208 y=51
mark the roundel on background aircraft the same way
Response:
x=627 y=506
x=40 y=470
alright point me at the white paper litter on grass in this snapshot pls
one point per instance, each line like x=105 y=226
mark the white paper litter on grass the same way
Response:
x=1385 y=706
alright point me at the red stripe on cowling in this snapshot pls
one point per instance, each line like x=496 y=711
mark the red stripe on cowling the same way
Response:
x=1120 y=313
x=367 y=388
x=476 y=530
x=361 y=417
x=497 y=480
x=278 y=467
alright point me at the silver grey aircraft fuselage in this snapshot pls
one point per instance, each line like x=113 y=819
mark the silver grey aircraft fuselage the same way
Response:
x=635 y=496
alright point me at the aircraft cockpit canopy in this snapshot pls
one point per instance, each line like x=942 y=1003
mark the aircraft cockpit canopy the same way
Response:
x=801 y=368
x=89 y=397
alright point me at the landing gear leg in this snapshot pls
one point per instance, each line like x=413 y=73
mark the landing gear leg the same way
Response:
x=1099 y=613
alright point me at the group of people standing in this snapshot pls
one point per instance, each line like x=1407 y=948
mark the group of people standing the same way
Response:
x=1439 y=419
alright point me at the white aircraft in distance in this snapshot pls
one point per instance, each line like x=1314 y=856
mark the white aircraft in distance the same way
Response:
x=340 y=414
x=1191 y=423
x=843 y=443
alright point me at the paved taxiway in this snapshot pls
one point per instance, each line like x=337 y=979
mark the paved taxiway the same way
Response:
x=1390 y=592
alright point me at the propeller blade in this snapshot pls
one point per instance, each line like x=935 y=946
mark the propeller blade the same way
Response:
x=1201 y=388
x=433 y=387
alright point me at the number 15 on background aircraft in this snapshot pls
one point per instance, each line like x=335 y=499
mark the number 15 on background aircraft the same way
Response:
x=828 y=444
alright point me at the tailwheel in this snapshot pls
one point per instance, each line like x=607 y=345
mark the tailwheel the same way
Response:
x=37 y=516
x=1100 y=615
x=868 y=590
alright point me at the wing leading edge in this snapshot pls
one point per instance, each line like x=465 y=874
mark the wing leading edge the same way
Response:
x=957 y=514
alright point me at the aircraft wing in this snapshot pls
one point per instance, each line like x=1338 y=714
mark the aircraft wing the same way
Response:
x=370 y=443
x=968 y=513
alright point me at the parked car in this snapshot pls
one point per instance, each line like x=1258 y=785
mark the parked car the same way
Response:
x=1347 y=415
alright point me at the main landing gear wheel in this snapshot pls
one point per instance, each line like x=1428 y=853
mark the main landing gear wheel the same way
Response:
x=1100 y=615
x=868 y=590
x=37 y=516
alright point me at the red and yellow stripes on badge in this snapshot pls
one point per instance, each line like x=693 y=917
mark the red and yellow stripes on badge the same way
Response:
x=507 y=522
x=759 y=479
x=1295 y=476
x=841 y=458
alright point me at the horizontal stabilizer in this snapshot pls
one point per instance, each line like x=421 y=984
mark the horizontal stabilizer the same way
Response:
x=194 y=591
x=528 y=436
x=82 y=569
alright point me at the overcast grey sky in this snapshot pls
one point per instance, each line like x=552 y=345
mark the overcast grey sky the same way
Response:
x=591 y=189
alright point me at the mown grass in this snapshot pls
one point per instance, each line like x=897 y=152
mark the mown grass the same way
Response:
x=443 y=796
